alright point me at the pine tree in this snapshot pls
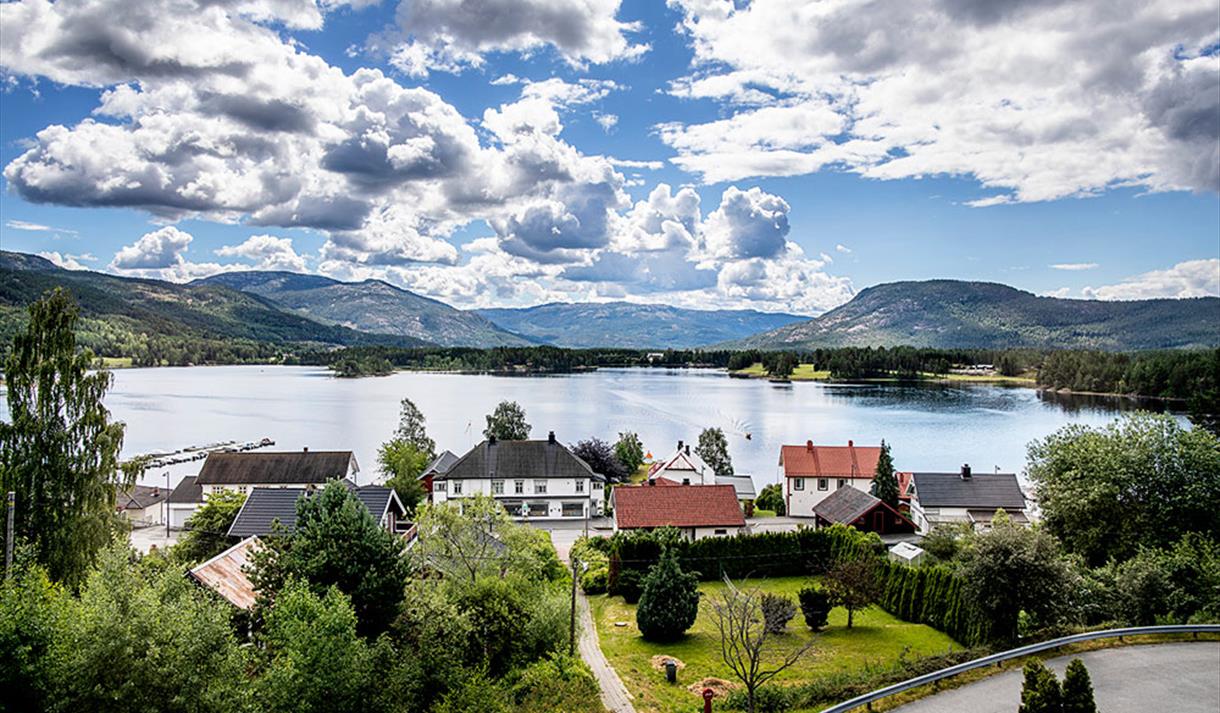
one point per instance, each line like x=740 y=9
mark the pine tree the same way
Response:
x=669 y=602
x=1041 y=692
x=885 y=482
x=1078 y=689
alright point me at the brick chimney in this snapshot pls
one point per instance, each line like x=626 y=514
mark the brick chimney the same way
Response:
x=809 y=446
x=550 y=437
x=966 y=471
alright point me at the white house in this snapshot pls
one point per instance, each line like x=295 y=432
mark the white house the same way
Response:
x=532 y=479
x=142 y=505
x=965 y=498
x=698 y=511
x=685 y=467
x=811 y=473
x=185 y=499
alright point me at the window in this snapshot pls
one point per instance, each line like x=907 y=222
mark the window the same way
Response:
x=597 y=485
x=842 y=482
x=457 y=487
x=823 y=484
x=720 y=532
x=540 y=487
x=573 y=509
x=538 y=509
x=580 y=485
x=798 y=483
x=241 y=489
x=497 y=487
x=439 y=486
x=519 y=487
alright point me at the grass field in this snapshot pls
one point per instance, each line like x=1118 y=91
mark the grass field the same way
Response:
x=116 y=362
x=876 y=639
x=806 y=372
x=803 y=372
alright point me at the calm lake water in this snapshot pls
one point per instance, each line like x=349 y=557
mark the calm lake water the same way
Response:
x=929 y=427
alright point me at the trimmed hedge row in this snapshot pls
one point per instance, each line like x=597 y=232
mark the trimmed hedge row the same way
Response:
x=932 y=596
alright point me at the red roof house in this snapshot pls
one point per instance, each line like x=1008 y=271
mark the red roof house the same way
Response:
x=810 y=461
x=698 y=510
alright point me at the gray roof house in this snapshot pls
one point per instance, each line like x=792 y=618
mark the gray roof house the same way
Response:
x=963 y=497
x=440 y=464
x=266 y=506
x=291 y=468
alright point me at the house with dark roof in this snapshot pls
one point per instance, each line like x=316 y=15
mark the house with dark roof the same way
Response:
x=532 y=479
x=142 y=504
x=264 y=507
x=811 y=473
x=439 y=466
x=184 y=500
x=698 y=511
x=863 y=511
x=964 y=497
x=284 y=469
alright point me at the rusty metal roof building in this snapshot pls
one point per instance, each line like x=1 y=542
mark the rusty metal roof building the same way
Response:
x=225 y=574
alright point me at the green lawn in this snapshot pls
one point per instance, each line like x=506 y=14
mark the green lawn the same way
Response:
x=803 y=372
x=806 y=372
x=876 y=639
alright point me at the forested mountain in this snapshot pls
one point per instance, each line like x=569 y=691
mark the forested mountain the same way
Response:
x=986 y=315
x=631 y=325
x=370 y=306
x=162 y=322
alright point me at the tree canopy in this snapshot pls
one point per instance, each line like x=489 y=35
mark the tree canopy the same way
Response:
x=885 y=481
x=629 y=450
x=206 y=533
x=713 y=448
x=507 y=423
x=602 y=459
x=669 y=601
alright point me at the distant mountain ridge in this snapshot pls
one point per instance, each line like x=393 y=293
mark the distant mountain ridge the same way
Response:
x=369 y=306
x=133 y=309
x=632 y=325
x=987 y=315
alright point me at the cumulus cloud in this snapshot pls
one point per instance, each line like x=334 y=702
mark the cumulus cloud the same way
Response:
x=1036 y=100
x=1074 y=266
x=153 y=251
x=267 y=252
x=66 y=261
x=1193 y=278
x=450 y=35
x=748 y=224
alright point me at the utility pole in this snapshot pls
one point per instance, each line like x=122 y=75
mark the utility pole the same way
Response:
x=8 y=534
x=167 y=508
x=572 y=629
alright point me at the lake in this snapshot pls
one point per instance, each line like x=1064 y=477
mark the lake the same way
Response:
x=930 y=427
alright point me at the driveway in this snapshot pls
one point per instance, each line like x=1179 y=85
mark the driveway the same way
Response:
x=1180 y=677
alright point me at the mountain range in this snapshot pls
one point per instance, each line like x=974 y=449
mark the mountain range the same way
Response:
x=987 y=315
x=633 y=326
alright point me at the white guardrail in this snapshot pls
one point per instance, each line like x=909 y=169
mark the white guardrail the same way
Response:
x=869 y=698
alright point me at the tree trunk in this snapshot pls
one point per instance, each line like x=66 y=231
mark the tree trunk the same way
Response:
x=850 y=612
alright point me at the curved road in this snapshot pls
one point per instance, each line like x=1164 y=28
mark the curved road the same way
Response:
x=1181 y=677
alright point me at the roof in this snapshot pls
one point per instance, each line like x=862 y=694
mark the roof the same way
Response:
x=282 y=468
x=440 y=464
x=845 y=505
x=684 y=461
x=985 y=491
x=225 y=574
x=265 y=506
x=138 y=497
x=904 y=486
x=188 y=490
x=510 y=460
x=906 y=550
x=743 y=484
x=637 y=506
x=810 y=461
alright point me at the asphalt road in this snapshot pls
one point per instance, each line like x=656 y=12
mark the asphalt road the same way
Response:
x=1180 y=677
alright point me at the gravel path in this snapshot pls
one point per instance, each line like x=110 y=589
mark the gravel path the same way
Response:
x=615 y=697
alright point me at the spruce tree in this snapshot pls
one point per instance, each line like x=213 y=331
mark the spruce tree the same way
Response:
x=1041 y=692
x=1078 y=689
x=885 y=482
x=669 y=602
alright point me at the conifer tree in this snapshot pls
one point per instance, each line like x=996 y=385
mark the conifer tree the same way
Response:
x=669 y=602
x=885 y=482
x=1041 y=692
x=1078 y=689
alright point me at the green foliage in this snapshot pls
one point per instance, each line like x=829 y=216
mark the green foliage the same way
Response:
x=412 y=428
x=207 y=528
x=557 y=683
x=60 y=451
x=853 y=585
x=476 y=693
x=1077 y=689
x=885 y=481
x=337 y=542
x=1011 y=570
x=771 y=497
x=777 y=611
x=932 y=596
x=315 y=660
x=602 y=459
x=401 y=463
x=507 y=423
x=629 y=450
x=1142 y=480
x=767 y=699
x=713 y=448
x=595 y=581
x=669 y=601
x=815 y=606
x=592 y=552
x=1171 y=585
x=32 y=610
x=944 y=542
x=131 y=644
x=513 y=621
x=1165 y=374
x=1040 y=693
x=630 y=585
x=479 y=539
x=356 y=366
x=439 y=641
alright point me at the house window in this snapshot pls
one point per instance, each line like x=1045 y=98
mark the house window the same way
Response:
x=519 y=487
x=457 y=487
x=241 y=489
x=439 y=486
x=597 y=485
x=580 y=486
x=798 y=483
x=538 y=509
x=842 y=482
x=823 y=484
x=497 y=487
x=721 y=532
x=573 y=509
x=540 y=487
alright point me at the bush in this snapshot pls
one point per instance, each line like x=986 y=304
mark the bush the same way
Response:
x=475 y=694
x=1078 y=689
x=594 y=581
x=630 y=585
x=767 y=699
x=669 y=602
x=558 y=683
x=777 y=611
x=771 y=498
x=1040 y=692
x=815 y=605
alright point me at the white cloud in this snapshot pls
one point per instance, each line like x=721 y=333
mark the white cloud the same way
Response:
x=1036 y=100
x=748 y=224
x=1193 y=278
x=450 y=35
x=159 y=249
x=1074 y=266
x=631 y=163
x=841 y=248
x=36 y=227
x=66 y=261
x=1061 y=293
x=606 y=121
x=268 y=252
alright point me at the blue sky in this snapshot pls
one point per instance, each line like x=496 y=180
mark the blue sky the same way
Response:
x=770 y=154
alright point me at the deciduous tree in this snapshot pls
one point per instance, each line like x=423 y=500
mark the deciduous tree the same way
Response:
x=713 y=448
x=771 y=497
x=401 y=463
x=412 y=429
x=507 y=423
x=853 y=585
x=629 y=450
x=207 y=529
x=601 y=458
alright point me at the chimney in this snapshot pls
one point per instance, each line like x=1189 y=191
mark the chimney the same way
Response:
x=679 y=446
x=809 y=446
x=965 y=471
x=686 y=481
x=652 y=483
x=491 y=440
x=305 y=449
x=851 y=444
x=688 y=449
x=550 y=438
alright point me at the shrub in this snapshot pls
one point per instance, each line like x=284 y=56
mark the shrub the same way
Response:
x=559 y=683
x=669 y=602
x=815 y=605
x=777 y=611
x=475 y=694
x=1078 y=689
x=594 y=581
x=771 y=498
x=630 y=585
x=767 y=699
x=1040 y=692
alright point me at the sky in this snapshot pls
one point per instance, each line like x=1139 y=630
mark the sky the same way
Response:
x=775 y=155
